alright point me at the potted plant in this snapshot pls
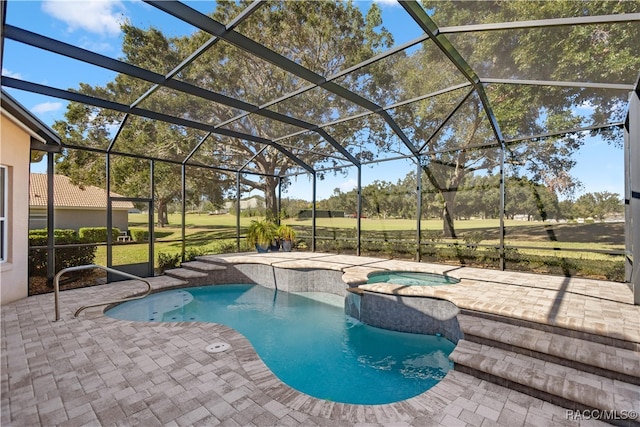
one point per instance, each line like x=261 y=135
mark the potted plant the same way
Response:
x=287 y=234
x=261 y=233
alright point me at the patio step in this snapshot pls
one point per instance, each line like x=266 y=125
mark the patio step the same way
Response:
x=212 y=259
x=593 y=357
x=554 y=364
x=205 y=267
x=559 y=384
x=193 y=277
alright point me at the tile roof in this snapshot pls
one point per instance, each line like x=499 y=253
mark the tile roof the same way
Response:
x=67 y=194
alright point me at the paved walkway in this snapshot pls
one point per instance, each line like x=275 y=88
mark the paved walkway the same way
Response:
x=95 y=370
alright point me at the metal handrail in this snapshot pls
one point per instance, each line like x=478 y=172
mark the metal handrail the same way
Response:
x=56 y=283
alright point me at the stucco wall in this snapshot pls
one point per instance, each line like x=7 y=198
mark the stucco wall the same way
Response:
x=78 y=218
x=14 y=153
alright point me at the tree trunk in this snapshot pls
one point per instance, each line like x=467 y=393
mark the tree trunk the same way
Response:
x=270 y=198
x=162 y=213
x=448 y=213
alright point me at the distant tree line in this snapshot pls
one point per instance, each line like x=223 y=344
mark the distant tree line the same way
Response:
x=477 y=197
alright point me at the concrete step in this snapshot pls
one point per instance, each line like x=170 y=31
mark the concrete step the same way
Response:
x=596 y=358
x=205 y=267
x=193 y=277
x=561 y=385
x=212 y=259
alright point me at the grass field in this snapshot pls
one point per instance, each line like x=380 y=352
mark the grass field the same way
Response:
x=205 y=232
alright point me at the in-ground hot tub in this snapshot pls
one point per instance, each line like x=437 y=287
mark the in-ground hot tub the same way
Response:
x=388 y=307
x=411 y=278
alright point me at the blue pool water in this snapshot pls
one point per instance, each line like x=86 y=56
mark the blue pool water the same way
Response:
x=308 y=341
x=411 y=278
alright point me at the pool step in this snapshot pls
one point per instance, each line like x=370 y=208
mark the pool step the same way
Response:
x=606 y=360
x=559 y=384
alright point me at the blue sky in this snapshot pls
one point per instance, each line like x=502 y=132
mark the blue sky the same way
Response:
x=94 y=25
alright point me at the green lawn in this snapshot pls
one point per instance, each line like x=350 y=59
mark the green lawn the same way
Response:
x=205 y=232
x=550 y=248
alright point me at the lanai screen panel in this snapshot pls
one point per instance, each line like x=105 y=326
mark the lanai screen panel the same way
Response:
x=323 y=37
x=223 y=152
x=317 y=106
x=156 y=139
x=416 y=71
x=190 y=107
x=421 y=119
x=255 y=124
x=469 y=127
x=313 y=148
x=236 y=73
x=369 y=137
x=564 y=53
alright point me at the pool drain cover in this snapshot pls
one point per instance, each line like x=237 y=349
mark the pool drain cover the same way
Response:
x=217 y=347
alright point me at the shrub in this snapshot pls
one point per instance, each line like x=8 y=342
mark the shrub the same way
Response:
x=139 y=235
x=167 y=261
x=97 y=234
x=432 y=235
x=615 y=271
x=472 y=239
x=191 y=253
x=64 y=257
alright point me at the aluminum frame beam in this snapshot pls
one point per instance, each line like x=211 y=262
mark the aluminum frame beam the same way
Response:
x=543 y=23
x=488 y=80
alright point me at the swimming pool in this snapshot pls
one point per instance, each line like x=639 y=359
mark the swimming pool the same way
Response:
x=411 y=278
x=307 y=341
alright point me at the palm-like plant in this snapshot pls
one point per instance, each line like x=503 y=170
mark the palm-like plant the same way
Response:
x=261 y=233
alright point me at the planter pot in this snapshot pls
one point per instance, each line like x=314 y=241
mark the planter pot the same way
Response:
x=275 y=246
x=262 y=248
x=287 y=245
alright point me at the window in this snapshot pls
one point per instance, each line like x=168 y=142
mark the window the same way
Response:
x=4 y=190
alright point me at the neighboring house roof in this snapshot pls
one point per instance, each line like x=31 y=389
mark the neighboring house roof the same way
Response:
x=68 y=195
x=40 y=133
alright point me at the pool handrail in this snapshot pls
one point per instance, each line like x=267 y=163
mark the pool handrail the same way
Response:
x=56 y=284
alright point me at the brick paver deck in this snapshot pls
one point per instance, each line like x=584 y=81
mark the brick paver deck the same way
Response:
x=95 y=370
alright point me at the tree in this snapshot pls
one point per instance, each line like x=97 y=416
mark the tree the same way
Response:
x=597 y=205
x=296 y=30
x=565 y=54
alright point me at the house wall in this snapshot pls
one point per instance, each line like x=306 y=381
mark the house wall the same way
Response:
x=78 y=218
x=15 y=154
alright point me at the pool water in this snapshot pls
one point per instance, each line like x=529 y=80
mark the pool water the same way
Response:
x=411 y=278
x=307 y=340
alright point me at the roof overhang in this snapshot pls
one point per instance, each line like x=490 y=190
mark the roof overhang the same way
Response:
x=42 y=136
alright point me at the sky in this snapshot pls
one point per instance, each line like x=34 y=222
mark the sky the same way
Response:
x=95 y=25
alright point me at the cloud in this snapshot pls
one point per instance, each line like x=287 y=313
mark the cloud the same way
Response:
x=348 y=185
x=383 y=3
x=46 y=107
x=96 y=16
x=9 y=73
x=96 y=46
